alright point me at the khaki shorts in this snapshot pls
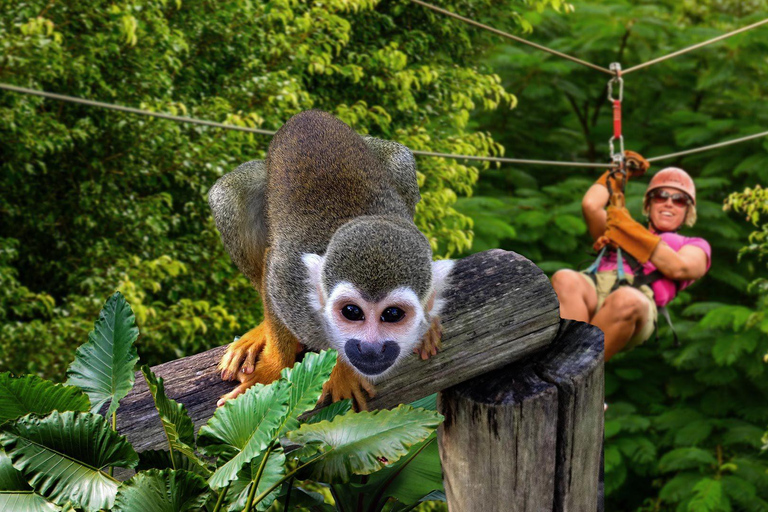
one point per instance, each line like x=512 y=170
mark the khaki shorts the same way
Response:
x=605 y=281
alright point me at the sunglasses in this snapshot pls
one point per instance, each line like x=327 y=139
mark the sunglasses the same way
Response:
x=678 y=198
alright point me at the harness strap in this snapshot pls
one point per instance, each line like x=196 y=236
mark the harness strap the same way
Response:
x=664 y=311
x=592 y=270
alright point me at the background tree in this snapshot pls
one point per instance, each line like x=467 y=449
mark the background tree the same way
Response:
x=94 y=200
x=684 y=424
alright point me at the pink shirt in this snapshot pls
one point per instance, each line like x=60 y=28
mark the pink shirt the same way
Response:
x=664 y=290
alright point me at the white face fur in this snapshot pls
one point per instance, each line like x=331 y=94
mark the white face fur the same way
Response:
x=374 y=336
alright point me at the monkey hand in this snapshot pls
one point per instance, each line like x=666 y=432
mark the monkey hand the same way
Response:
x=253 y=358
x=346 y=383
x=430 y=344
x=241 y=355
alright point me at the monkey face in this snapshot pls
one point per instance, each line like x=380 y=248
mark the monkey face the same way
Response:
x=373 y=335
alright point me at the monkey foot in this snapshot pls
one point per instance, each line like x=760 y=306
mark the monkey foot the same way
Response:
x=346 y=383
x=254 y=359
x=241 y=355
x=430 y=344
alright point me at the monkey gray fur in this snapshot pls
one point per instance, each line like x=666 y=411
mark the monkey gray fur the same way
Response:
x=325 y=190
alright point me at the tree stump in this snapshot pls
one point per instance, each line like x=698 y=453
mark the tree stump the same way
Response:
x=528 y=437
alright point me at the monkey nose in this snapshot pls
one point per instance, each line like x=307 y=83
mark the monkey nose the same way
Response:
x=371 y=357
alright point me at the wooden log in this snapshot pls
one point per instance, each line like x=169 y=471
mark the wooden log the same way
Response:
x=528 y=437
x=501 y=307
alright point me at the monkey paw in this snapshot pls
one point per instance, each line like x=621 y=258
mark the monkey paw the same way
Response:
x=255 y=358
x=241 y=355
x=430 y=344
x=346 y=383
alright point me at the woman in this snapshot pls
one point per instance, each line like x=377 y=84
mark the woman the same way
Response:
x=627 y=314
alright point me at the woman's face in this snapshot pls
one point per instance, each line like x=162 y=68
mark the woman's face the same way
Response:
x=668 y=207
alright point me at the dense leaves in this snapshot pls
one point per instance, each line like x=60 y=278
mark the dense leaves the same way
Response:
x=162 y=491
x=62 y=456
x=684 y=420
x=94 y=200
x=363 y=443
x=31 y=394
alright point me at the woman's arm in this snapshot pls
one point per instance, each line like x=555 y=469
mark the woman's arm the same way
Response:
x=593 y=208
x=690 y=262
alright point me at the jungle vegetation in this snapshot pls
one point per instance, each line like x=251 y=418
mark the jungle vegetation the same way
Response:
x=93 y=201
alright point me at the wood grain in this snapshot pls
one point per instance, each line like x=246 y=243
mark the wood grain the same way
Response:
x=528 y=437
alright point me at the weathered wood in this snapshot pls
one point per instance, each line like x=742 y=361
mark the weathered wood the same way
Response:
x=528 y=437
x=501 y=307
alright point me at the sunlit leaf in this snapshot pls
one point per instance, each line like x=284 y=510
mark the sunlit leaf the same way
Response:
x=103 y=367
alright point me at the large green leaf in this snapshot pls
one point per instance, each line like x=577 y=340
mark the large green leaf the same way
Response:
x=362 y=443
x=242 y=428
x=61 y=456
x=31 y=394
x=103 y=367
x=177 y=425
x=10 y=478
x=162 y=491
x=331 y=411
x=409 y=479
x=306 y=378
x=24 y=501
x=273 y=472
x=15 y=493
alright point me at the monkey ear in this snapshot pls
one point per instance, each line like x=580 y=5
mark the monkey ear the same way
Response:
x=314 y=264
x=441 y=271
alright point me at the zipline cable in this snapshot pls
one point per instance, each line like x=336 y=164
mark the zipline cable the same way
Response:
x=694 y=47
x=130 y=110
x=511 y=160
x=514 y=38
x=192 y=120
x=711 y=146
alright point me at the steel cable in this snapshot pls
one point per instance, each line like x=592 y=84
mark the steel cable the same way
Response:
x=514 y=38
x=711 y=146
x=203 y=122
x=120 y=108
x=694 y=47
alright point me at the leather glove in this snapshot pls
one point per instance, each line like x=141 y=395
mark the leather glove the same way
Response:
x=635 y=164
x=623 y=231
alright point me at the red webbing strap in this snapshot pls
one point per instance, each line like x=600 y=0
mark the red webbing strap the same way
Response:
x=617 y=118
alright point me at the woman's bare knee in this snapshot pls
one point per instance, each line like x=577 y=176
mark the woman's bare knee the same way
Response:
x=627 y=304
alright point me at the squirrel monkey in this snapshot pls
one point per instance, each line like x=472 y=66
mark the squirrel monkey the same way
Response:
x=323 y=228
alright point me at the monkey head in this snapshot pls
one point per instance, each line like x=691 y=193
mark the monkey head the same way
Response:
x=376 y=290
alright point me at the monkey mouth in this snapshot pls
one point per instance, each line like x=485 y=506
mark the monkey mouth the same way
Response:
x=371 y=358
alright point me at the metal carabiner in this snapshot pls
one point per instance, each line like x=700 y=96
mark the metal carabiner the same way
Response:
x=616 y=68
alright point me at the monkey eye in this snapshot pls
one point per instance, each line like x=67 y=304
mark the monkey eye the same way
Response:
x=392 y=314
x=352 y=312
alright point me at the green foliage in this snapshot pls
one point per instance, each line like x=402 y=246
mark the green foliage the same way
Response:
x=61 y=456
x=177 y=425
x=684 y=423
x=31 y=394
x=103 y=367
x=347 y=447
x=94 y=200
x=162 y=491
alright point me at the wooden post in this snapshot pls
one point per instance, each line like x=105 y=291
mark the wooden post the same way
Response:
x=528 y=437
